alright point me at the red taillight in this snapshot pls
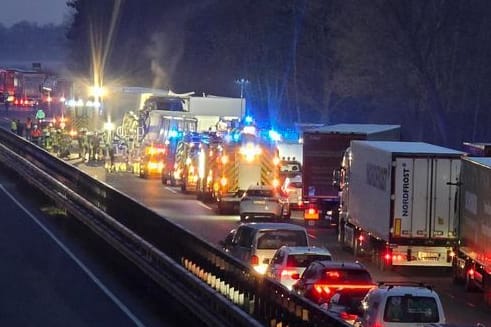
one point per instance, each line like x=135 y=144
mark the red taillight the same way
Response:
x=311 y=212
x=254 y=260
x=387 y=256
x=322 y=289
x=293 y=274
x=328 y=287
x=471 y=272
x=348 y=316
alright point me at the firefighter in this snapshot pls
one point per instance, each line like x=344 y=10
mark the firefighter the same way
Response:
x=28 y=126
x=13 y=126
x=36 y=135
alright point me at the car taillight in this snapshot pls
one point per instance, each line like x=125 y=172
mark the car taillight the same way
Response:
x=326 y=288
x=311 y=212
x=254 y=260
x=293 y=274
x=322 y=289
x=348 y=316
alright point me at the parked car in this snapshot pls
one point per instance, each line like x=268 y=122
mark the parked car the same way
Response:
x=289 y=262
x=256 y=243
x=260 y=201
x=323 y=279
x=401 y=304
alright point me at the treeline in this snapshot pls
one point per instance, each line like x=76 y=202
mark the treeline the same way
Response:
x=26 y=41
x=422 y=64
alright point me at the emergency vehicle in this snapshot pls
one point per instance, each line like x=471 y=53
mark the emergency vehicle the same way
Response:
x=152 y=160
x=195 y=164
x=246 y=159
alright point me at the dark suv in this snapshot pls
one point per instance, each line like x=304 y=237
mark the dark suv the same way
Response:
x=323 y=279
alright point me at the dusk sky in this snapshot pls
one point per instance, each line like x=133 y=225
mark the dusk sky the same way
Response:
x=36 y=11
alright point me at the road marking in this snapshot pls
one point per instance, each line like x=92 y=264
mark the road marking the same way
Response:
x=204 y=205
x=472 y=305
x=171 y=190
x=84 y=268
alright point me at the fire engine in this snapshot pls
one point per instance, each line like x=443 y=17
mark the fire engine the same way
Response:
x=246 y=159
x=152 y=160
x=196 y=163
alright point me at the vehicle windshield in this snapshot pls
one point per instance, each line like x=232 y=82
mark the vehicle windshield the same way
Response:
x=304 y=260
x=295 y=185
x=275 y=239
x=262 y=193
x=413 y=309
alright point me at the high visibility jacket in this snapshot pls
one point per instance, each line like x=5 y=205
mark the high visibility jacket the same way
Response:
x=13 y=125
x=36 y=132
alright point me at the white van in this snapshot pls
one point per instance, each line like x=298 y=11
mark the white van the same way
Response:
x=256 y=243
x=400 y=305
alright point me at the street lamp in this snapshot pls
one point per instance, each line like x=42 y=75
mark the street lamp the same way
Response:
x=242 y=83
x=98 y=92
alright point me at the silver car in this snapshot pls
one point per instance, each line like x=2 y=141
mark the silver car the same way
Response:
x=261 y=201
x=289 y=262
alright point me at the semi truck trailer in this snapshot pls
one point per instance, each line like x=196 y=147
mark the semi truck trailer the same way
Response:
x=400 y=202
x=472 y=263
x=323 y=149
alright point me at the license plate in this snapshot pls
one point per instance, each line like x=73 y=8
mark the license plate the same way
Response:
x=259 y=202
x=311 y=223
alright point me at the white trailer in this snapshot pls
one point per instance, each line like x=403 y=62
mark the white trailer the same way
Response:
x=402 y=208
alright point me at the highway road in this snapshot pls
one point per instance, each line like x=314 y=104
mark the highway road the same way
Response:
x=56 y=272
x=199 y=218
x=136 y=300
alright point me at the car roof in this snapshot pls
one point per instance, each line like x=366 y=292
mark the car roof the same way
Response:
x=305 y=250
x=341 y=264
x=273 y=226
x=401 y=290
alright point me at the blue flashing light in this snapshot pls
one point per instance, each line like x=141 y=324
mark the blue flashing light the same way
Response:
x=236 y=137
x=274 y=135
x=173 y=134
x=249 y=120
x=228 y=138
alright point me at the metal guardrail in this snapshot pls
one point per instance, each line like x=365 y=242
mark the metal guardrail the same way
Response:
x=222 y=290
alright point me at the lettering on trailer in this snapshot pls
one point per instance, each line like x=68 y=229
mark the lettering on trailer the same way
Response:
x=377 y=176
x=405 y=190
